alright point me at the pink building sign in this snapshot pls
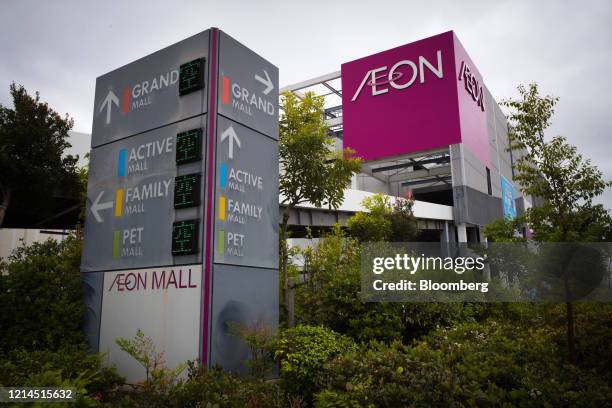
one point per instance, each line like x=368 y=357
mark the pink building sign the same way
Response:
x=420 y=96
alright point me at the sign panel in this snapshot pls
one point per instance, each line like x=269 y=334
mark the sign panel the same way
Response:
x=412 y=98
x=162 y=302
x=508 y=198
x=161 y=88
x=401 y=100
x=135 y=189
x=248 y=87
x=246 y=222
x=470 y=94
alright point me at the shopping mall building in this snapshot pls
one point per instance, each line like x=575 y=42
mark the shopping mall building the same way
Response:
x=425 y=124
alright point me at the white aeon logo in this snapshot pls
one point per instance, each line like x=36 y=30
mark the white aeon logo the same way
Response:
x=394 y=75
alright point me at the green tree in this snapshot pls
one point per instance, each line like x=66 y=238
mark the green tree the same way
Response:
x=505 y=230
x=383 y=220
x=311 y=171
x=374 y=224
x=40 y=297
x=556 y=172
x=34 y=170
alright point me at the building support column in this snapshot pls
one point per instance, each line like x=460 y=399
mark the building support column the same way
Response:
x=462 y=232
x=483 y=238
x=445 y=239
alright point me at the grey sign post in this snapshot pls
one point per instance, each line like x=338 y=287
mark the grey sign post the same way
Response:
x=184 y=171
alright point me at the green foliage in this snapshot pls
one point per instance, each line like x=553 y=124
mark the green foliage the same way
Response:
x=403 y=222
x=40 y=297
x=375 y=224
x=311 y=170
x=205 y=388
x=383 y=220
x=259 y=337
x=54 y=378
x=493 y=363
x=330 y=296
x=216 y=388
x=552 y=170
x=40 y=313
x=71 y=366
x=302 y=351
x=33 y=166
x=161 y=382
x=594 y=328
x=505 y=230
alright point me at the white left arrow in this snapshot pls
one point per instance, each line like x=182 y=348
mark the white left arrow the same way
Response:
x=97 y=206
x=267 y=82
x=110 y=99
x=233 y=137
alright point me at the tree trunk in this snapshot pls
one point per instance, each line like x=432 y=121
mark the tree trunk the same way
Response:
x=4 y=204
x=284 y=262
x=571 y=338
x=569 y=309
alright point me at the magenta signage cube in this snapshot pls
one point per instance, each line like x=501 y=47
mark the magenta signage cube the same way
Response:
x=419 y=96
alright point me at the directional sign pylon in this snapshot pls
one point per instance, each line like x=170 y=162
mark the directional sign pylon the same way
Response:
x=110 y=99
x=233 y=137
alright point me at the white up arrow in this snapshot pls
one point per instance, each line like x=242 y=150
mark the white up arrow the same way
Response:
x=97 y=206
x=267 y=82
x=231 y=133
x=110 y=99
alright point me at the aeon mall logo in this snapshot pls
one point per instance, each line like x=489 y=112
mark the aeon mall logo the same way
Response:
x=471 y=85
x=401 y=75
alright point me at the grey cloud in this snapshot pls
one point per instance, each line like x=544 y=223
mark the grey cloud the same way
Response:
x=60 y=47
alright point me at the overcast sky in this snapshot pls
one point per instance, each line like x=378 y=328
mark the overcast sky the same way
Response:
x=60 y=47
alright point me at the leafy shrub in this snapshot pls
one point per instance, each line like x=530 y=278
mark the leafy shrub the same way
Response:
x=20 y=366
x=383 y=220
x=475 y=364
x=259 y=338
x=40 y=316
x=54 y=378
x=302 y=352
x=403 y=222
x=216 y=388
x=373 y=224
x=40 y=297
x=161 y=383
x=330 y=296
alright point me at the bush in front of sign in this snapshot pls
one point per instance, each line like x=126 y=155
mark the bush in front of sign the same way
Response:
x=302 y=351
x=40 y=317
x=215 y=387
x=40 y=297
